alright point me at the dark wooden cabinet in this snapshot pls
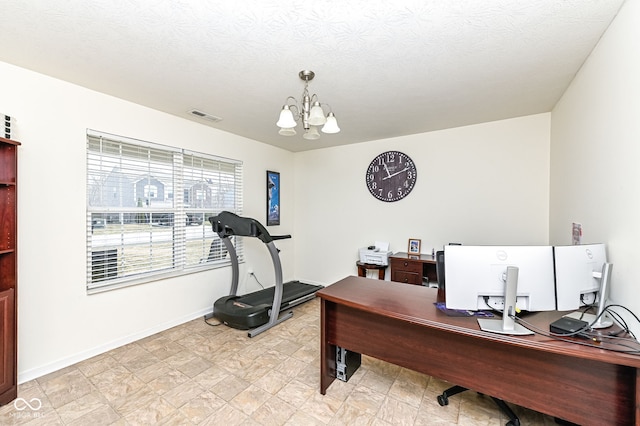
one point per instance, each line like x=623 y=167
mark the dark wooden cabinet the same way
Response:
x=413 y=269
x=7 y=347
x=8 y=271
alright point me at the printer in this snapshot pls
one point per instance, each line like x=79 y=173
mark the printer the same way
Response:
x=377 y=254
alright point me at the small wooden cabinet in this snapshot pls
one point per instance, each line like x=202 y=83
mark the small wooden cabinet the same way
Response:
x=413 y=269
x=8 y=271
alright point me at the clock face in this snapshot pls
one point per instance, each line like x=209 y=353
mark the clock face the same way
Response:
x=391 y=176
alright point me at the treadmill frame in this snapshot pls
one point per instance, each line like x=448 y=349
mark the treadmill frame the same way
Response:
x=274 y=316
x=248 y=227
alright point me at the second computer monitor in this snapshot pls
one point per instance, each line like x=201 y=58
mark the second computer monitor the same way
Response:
x=476 y=276
x=578 y=270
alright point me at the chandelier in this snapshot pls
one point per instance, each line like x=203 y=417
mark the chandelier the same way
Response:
x=309 y=111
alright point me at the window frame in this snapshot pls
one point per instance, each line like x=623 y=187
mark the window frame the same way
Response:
x=133 y=240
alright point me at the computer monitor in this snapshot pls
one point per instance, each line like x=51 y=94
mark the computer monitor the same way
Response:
x=476 y=277
x=506 y=278
x=583 y=278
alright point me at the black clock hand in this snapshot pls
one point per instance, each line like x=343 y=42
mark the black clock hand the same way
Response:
x=396 y=173
x=387 y=169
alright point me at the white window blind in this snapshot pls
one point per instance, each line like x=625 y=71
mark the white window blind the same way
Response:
x=148 y=209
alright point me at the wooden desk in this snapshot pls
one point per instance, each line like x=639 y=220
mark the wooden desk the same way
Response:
x=411 y=268
x=400 y=324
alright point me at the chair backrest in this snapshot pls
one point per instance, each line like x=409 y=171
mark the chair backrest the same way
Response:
x=440 y=268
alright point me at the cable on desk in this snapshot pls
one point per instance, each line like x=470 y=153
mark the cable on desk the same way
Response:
x=584 y=308
x=562 y=337
x=586 y=331
x=491 y=308
x=617 y=315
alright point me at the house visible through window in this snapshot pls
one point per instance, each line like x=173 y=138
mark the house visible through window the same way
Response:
x=148 y=207
x=150 y=191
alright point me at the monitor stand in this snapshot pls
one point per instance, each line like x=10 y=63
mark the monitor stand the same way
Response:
x=604 y=321
x=507 y=324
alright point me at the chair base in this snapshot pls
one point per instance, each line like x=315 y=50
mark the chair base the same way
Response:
x=443 y=399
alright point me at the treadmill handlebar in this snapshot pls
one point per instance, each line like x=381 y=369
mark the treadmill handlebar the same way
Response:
x=226 y=224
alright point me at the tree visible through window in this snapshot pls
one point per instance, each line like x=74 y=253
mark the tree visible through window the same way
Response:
x=148 y=207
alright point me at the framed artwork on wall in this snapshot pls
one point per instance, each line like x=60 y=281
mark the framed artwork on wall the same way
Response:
x=414 y=246
x=273 y=198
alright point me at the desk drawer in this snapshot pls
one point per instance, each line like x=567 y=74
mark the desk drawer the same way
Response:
x=406 y=265
x=406 y=277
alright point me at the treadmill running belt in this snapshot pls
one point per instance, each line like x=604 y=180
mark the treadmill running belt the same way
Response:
x=291 y=291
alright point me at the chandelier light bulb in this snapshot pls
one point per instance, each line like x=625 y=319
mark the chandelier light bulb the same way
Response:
x=286 y=120
x=316 y=116
x=311 y=134
x=331 y=126
x=287 y=131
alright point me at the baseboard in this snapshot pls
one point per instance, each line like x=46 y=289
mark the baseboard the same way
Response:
x=34 y=373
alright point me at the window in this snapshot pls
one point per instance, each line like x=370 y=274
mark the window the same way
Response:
x=148 y=209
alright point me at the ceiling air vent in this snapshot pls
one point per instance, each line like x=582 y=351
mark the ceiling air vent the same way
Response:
x=205 y=116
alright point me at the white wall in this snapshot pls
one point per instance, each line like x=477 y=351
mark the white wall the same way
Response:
x=595 y=173
x=481 y=184
x=518 y=181
x=58 y=323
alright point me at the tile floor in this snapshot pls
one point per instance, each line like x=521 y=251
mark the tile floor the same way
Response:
x=198 y=374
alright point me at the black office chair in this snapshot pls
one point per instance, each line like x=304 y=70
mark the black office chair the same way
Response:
x=443 y=399
x=440 y=268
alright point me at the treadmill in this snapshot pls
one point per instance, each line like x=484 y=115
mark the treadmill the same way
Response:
x=260 y=310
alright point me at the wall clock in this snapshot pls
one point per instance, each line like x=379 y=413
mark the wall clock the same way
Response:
x=391 y=176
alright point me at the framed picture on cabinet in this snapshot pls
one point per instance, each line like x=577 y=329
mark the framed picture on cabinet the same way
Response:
x=414 y=246
x=273 y=198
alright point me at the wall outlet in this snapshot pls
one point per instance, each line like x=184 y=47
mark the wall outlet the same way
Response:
x=250 y=272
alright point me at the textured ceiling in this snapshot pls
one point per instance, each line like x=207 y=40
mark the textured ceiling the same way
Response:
x=387 y=68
